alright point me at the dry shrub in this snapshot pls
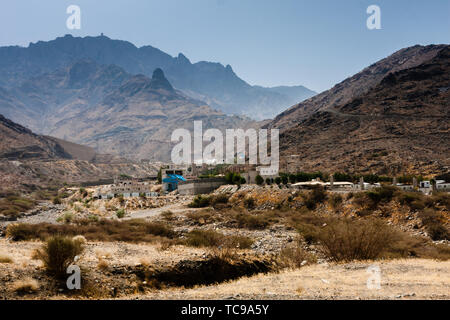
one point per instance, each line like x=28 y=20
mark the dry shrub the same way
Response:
x=58 y=253
x=406 y=246
x=5 y=259
x=201 y=217
x=102 y=230
x=336 y=201
x=295 y=257
x=256 y=220
x=413 y=200
x=347 y=240
x=102 y=265
x=26 y=286
x=167 y=215
x=316 y=196
x=432 y=222
x=441 y=198
x=12 y=205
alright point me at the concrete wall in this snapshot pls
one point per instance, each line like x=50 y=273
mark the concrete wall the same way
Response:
x=200 y=186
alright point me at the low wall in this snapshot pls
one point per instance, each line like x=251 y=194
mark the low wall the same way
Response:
x=200 y=186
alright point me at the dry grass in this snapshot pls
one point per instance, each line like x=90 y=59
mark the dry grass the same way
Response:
x=12 y=205
x=5 y=259
x=295 y=257
x=58 y=253
x=347 y=240
x=427 y=279
x=102 y=265
x=26 y=286
x=103 y=230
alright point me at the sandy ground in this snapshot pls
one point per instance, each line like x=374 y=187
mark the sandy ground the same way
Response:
x=400 y=279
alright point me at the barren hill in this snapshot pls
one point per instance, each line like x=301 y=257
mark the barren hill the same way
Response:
x=356 y=85
x=400 y=125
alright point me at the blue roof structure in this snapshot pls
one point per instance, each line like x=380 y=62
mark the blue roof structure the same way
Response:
x=173 y=178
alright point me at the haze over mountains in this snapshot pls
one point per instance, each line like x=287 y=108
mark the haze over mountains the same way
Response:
x=215 y=84
x=104 y=107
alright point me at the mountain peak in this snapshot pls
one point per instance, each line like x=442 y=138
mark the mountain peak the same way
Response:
x=183 y=59
x=159 y=80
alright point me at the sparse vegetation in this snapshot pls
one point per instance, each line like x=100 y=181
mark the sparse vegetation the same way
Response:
x=102 y=230
x=210 y=238
x=315 y=196
x=433 y=224
x=295 y=257
x=58 y=253
x=347 y=240
x=120 y=213
x=12 y=205
x=26 y=286
x=5 y=259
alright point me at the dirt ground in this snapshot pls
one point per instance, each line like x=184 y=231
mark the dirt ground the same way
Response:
x=399 y=279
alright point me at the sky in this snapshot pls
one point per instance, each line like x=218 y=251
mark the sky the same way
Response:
x=315 y=43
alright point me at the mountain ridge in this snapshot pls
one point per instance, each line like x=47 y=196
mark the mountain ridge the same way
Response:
x=214 y=83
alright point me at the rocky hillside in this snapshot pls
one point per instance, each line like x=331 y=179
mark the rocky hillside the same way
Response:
x=112 y=111
x=213 y=83
x=18 y=142
x=356 y=85
x=401 y=125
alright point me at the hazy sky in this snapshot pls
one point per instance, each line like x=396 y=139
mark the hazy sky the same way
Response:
x=316 y=43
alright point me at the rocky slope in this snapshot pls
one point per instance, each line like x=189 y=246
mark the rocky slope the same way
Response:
x=213 y=83
x=401 y=125
x=356 y=85
x=18 y=142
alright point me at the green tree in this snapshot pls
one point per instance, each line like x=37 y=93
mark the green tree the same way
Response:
x=259 y=180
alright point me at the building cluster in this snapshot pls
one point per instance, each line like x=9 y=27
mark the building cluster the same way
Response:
x=194 y=179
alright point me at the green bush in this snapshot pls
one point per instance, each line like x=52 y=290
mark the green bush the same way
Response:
x=120 y=213
x=259 y=180
x=200 y=201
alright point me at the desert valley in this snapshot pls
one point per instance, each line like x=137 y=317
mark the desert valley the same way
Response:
x=86 y=179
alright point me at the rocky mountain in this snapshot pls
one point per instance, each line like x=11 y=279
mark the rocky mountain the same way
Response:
x=29 y=161
x=18 y=142
x=213 y=83
x=357 y=85
x=114 y=112
x=400 y=125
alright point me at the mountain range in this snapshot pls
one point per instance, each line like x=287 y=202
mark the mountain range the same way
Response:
x=114 y=112
x=214 y=84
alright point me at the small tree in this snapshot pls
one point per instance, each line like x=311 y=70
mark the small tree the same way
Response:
x=259 y=180
x=278 y=180
x=268 y=181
